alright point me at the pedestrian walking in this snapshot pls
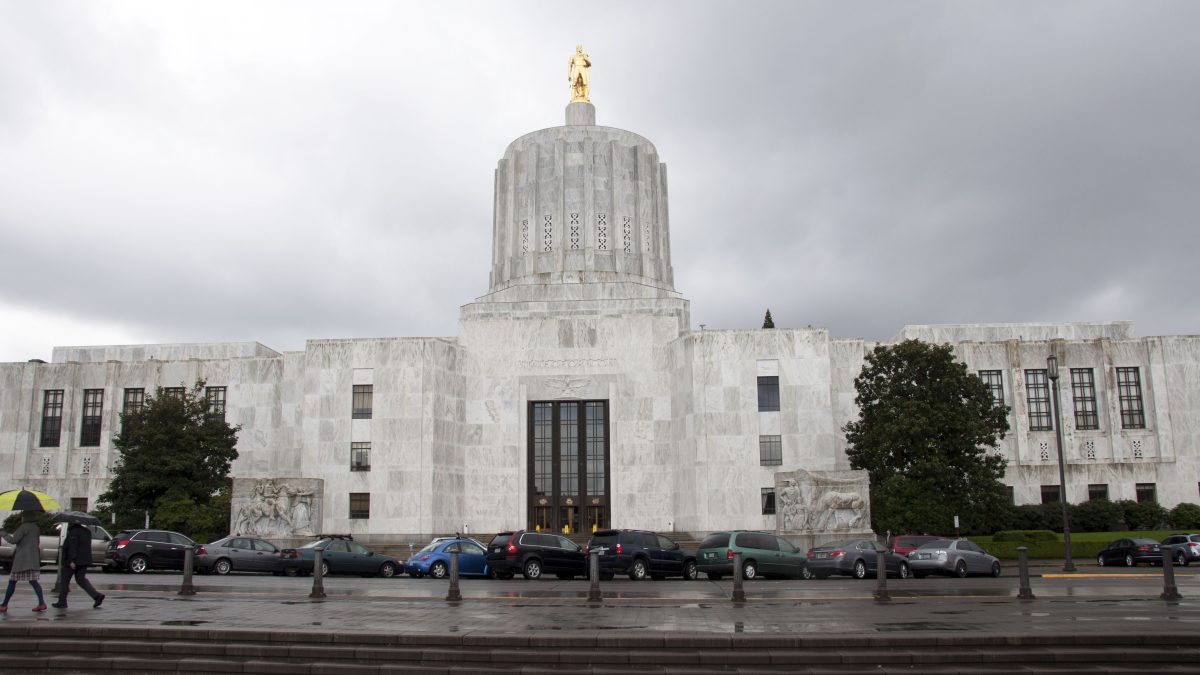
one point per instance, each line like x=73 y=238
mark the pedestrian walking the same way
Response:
x=77 y=555
x=27 y=559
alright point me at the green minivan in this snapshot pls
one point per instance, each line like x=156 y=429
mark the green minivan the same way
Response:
x=763 y=555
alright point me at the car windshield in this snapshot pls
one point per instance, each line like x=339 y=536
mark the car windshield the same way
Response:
x=430 y=547
x=838 y=544
x=937 y=543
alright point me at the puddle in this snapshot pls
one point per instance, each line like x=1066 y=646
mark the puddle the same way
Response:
x=923 y=625
x=183 y=622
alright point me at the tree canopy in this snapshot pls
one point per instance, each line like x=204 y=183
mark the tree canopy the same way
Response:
x=926 y=434
x=172 y=450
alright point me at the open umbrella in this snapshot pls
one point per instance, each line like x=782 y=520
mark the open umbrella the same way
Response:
x=27 y=500
x=78 y=517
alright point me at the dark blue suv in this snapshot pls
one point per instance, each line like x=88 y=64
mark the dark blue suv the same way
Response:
x=641 y=554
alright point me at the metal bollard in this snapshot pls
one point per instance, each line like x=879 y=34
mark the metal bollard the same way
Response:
x=881 y=591
x=454 y=595
x=739 y=593
x=318 y=589
x=1025 y=592
x=1170 y=590
x=594 y=576
x=186 y=588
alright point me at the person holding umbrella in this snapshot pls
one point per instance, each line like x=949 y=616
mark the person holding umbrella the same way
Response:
x=77 y=555
x=27 y=560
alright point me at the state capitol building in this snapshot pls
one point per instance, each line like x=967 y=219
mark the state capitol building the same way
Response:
x=576 y=393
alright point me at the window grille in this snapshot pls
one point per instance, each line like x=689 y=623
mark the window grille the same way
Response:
x=768 y=393
x=1051 y=494
x=1097 y=491
x=1044 y=450
x=994 y=379
x=216 y=401
x=770 y=450
x=89 y=429
x=362 y=405
x=79 y=504
x=1147 y=492
x=360 y=505
x=1083 y=386
x=52 y=405
x=1037 y=393
x=1129 y=386
x=548 y=233
x=601 y=231
x=360 y=456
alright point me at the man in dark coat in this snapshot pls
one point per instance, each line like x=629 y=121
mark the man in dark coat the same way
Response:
x=77 y=555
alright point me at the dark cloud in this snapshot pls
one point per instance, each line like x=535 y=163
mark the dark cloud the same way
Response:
x=204 y=171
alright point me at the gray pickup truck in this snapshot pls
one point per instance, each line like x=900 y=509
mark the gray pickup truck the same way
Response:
x=49 y=544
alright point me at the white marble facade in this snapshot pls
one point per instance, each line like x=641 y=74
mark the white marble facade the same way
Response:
x=582 y=305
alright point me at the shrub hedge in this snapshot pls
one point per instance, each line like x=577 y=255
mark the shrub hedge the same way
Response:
x=1024 y=536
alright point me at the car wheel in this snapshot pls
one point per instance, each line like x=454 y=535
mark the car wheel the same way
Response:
x=637 y=571
x=689 y=571
x=324 y=568
x=904 y=571
x=1129 y=560
x=438 y=570
x=806 y=573
x=222 y=566
x=291 y=571
x=493 y=574
x=960 y=569
x=1181 y=559
x=1100 y=560
x=749 y=570
x=860 y=569
x=387 y=570
x=713 y=576
x=996 y=569
x=138 y=564
x=532 y=569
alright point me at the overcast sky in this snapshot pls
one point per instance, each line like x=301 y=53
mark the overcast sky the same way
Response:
x=275 y=172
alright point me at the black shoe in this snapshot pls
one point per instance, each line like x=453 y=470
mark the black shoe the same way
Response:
x=99 y=599
x=59 y=605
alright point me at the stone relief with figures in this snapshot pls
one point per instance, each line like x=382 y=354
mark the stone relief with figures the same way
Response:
x=268 y=507
x=822 y=501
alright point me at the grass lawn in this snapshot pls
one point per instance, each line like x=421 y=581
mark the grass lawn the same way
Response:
x=1084 y=545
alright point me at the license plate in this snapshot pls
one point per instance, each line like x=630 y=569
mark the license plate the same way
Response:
x=495 y=549
x=821 y=556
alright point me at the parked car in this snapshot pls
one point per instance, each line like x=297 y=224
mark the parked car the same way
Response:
x=340 y=554
x=50 y=544
x=140 y=550
x=956 y=557
x=1130 y=552
x=434 y=559
x=534 y=553
x=856 y=558
x=907 y=543
x=763 y=555
x=238 y=554
x=1187 y=547
x=641 y=554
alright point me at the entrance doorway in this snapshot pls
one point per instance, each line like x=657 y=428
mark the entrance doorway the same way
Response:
x=568 y=466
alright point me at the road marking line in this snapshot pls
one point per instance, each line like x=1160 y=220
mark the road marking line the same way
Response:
x=1118 y=575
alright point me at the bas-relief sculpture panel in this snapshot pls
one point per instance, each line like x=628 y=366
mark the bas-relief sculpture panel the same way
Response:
x=813 y=504
x=279 y=507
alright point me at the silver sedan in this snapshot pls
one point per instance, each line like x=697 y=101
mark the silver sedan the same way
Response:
x=238 y=554
x=953 y=557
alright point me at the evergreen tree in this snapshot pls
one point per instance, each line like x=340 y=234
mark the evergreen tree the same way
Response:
x=768 y=322
x=926 y=432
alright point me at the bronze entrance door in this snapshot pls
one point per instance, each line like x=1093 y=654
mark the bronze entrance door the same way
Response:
x=568 y=466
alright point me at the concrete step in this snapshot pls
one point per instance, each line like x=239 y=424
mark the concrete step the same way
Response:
x=131 y=649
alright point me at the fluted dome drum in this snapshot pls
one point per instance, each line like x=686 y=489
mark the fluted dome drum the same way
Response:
x=581 y=204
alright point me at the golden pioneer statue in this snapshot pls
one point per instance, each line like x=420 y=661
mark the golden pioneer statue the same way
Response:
x=577 y=75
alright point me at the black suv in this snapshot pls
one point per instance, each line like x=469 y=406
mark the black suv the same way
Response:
x=532 y=553
x=641 y=554
x=140 y=550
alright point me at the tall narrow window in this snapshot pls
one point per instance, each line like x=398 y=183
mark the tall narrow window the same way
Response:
x=1097 y=491
x=768 y=501
x=768 y=393
x=360 y=505
x=1129 y=386
x=568 y=449
x=596 y=428
x=543 y=449
x=360 y=456
x=362 y=406
x=1083 y=386
x=1037 y=392
x=52 y=406
x=1051 y=494
x=89 y=429
x=770 y=450
x=1147 y=492
x=216 y=401
x=994 y=379
x=133 y=400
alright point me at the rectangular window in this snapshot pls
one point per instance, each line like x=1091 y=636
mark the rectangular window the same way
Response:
x=133 y=400
x=596 y=439
x=174 y=392
x=52 y=405
x=1051 y=494
x=994 y=379
x=79 y=504
x=363 y=401
x=1147 y=492
x=1037 y=393
x=1129 y=386
x=360 y=456
x=768 y=501
x=768 y=393
x=1012 y=495
x=1098 y=491
x=770 y=450
x=216 y=401
x=360 y=505
x=1083 y=386
x=93 y=405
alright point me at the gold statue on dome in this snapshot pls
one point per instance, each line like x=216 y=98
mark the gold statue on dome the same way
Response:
x=577 y=75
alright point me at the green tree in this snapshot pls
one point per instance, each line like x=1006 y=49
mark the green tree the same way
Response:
x=1185 y=516
x=174 y=458
x=926 y=432
x=768 y=322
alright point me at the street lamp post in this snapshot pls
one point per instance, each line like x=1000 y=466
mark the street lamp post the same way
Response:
x=1052 y=373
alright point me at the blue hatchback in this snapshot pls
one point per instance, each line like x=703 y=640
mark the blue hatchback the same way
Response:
x=434 y=559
